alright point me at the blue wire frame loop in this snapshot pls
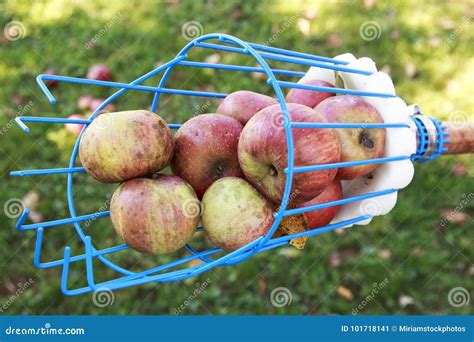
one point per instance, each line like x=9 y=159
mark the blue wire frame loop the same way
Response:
x=168 y=272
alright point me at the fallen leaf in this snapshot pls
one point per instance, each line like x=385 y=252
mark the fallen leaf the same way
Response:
x=386 y=69
x=304 y=26
x=385 y=253
x=262 y=284
x=405 y=300
x=369 y=4
x=446 y=23
x=31 y=199
x=410 y=70
x=345 y=293
x=455 y=217
x=237 y=14
x=215 y=58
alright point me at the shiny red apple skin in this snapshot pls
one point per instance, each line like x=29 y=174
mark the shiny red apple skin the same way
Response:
x=356 y=143
x=244 y=104
x=309 y=98
x=263 y=153
x=206 y=150
x=75 y=128
x=322 y=217
x=99 y=72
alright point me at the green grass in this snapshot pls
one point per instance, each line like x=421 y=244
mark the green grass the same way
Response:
x=409 y=247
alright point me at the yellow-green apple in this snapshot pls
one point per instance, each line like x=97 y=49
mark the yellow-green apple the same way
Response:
x=72 y=127
x=124 y=145
x=263 y=153
x=235 y=213
x=155 y=216
x=206 y=150
x=243 y=104
x=310 y=98
x=356 y=143
x=322 y=217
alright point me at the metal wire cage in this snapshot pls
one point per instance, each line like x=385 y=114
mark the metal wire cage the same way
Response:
x=177 y=270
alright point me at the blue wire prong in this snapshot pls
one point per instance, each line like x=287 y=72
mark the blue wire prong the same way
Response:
x=37 y=255
x=65 y=221
x=89 y=263
x=22 y=173
x=64 y=276
x=22 y=218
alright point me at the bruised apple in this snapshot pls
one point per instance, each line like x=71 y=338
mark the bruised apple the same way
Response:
x=124 y=145
x=235 y=213
x=263 y=153
x=310 y=98
x=322 y=217
x=243 y=104
x=206 y=150
x=356 y=143
x=155 y=216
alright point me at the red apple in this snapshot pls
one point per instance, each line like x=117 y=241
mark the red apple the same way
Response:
x=152 y=215
x=84 y=102
x=243 y=104
x=75 y=128
x=322 y=217
x=310 y=98
x=51 y=83
x=356 y=143
x=235 y=213
x=206 y=150
x=95 y=103
x=263 y=153
x=99 y=72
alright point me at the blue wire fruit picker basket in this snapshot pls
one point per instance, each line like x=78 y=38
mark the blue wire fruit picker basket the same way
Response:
x=423 y=139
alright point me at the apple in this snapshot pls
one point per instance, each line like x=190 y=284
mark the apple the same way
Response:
x=152 y=215
x=310 y=98
x=243 y=104
x=235 y=213
x=72 y=127
x=322 y=217
x=51 y=83
x=124 y=145
x=356 y=143
x=95 y=103
x=99 y=72
x=84 y=102
x=263 y=153
x=206 y=150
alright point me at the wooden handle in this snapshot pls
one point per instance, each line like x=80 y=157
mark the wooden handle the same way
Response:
x=461 y=137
